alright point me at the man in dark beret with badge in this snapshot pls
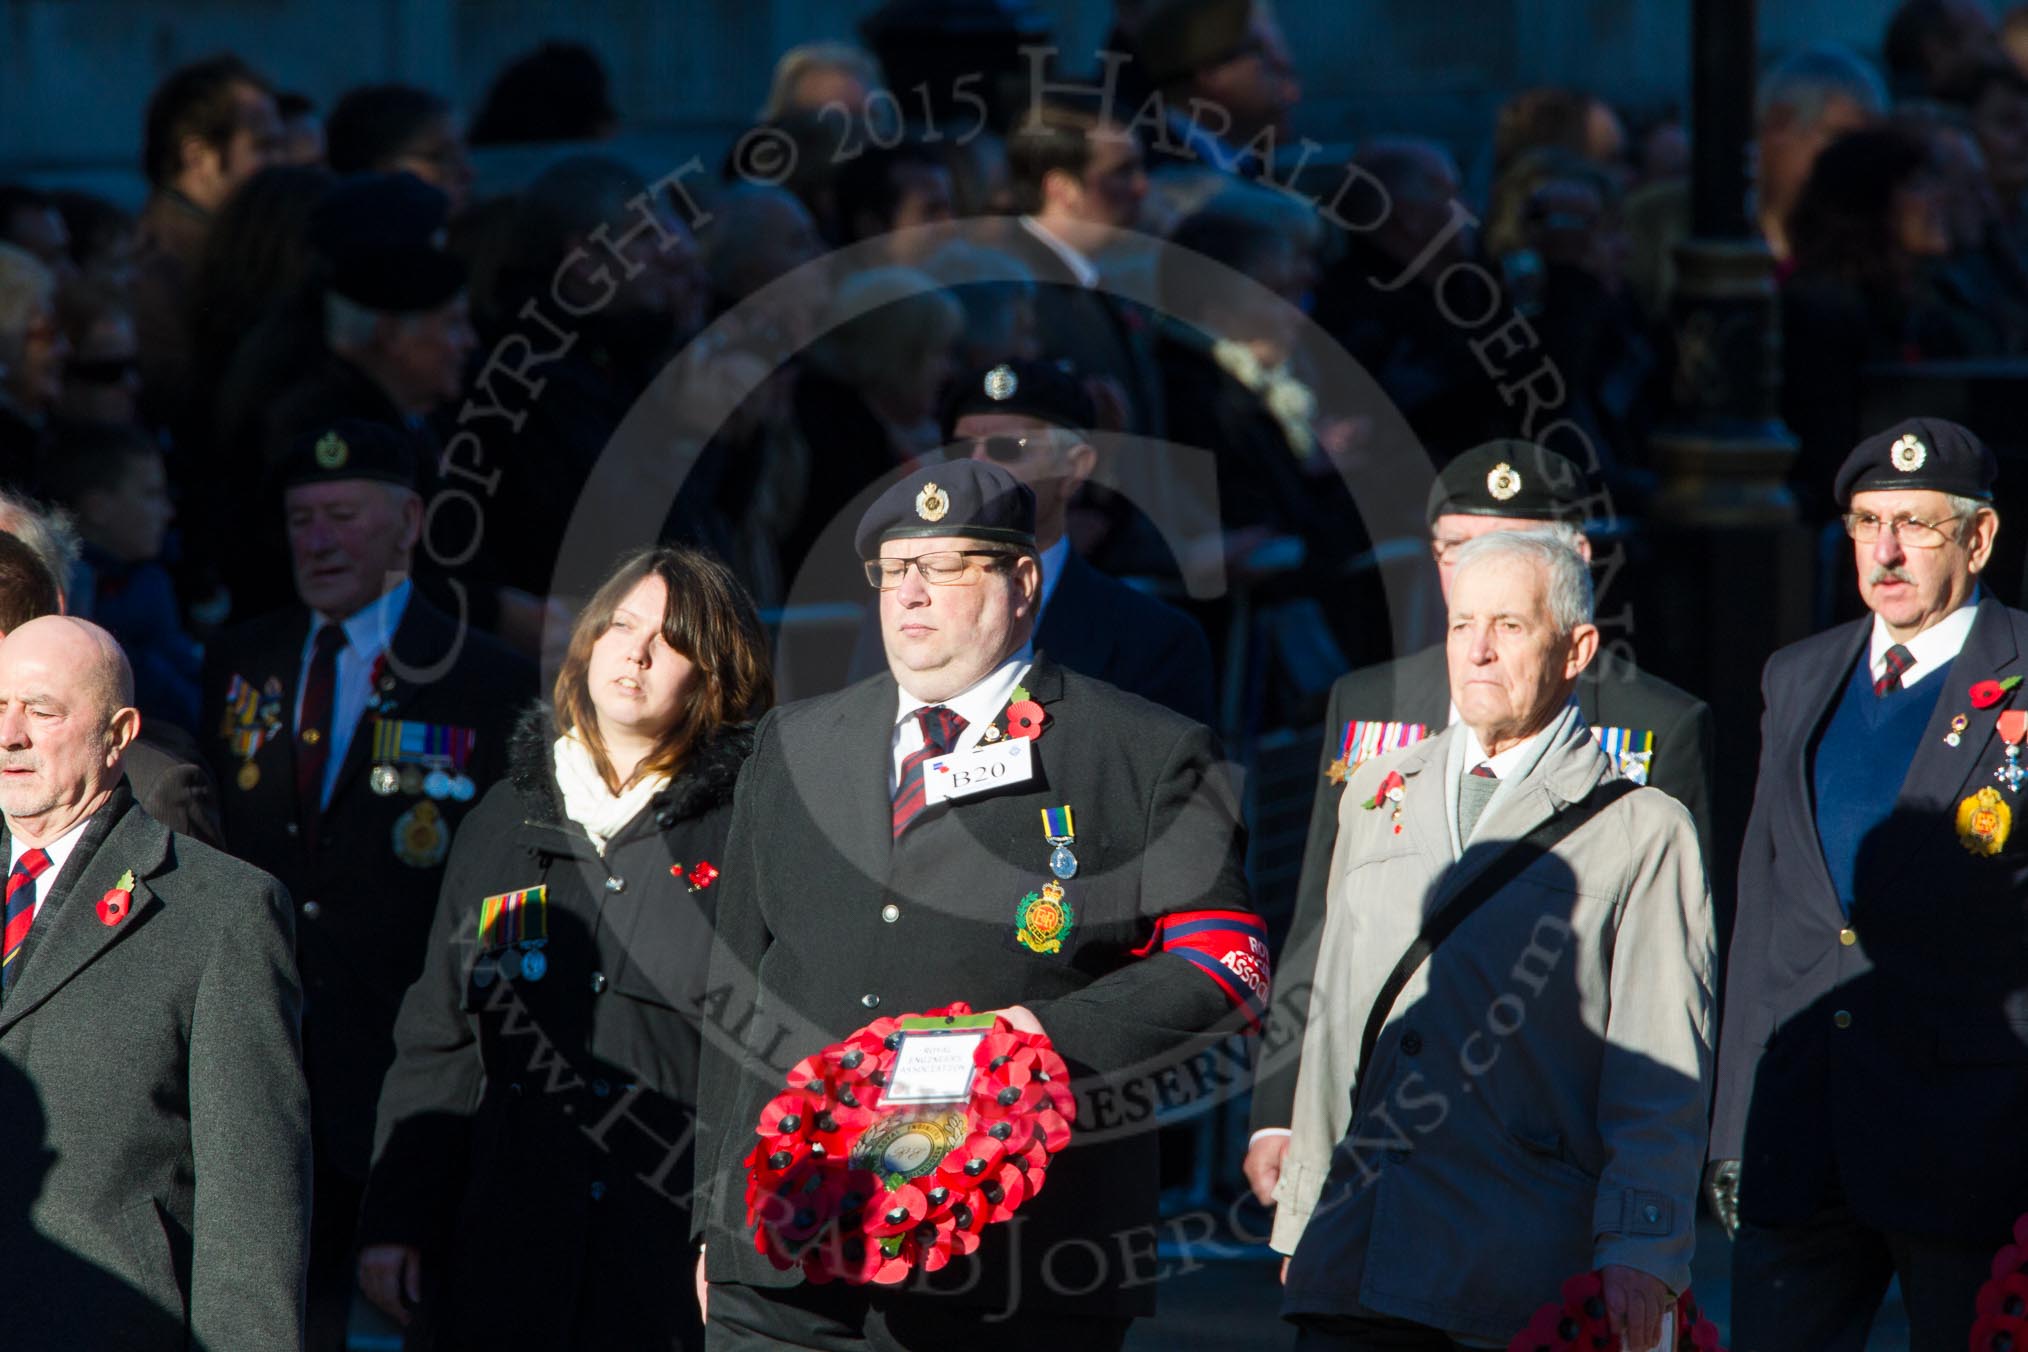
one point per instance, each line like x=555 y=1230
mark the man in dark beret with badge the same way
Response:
x=1873 y=1066
x=972 y=825
x=350 y=733
x=1031 y=419
x=1657 y=734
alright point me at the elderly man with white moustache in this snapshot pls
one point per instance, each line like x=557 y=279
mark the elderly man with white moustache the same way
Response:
x=1506 y=1083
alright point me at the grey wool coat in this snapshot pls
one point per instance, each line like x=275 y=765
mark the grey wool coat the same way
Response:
x=154 y=1128
x=1536 y=1103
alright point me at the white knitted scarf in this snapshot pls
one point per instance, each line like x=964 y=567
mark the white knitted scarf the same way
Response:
x=586 y=799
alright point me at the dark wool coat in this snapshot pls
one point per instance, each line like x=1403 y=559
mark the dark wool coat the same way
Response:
x=534 y=1136
x=155 y=1190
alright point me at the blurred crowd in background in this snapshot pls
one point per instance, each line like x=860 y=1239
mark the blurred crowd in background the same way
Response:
x=294 y=263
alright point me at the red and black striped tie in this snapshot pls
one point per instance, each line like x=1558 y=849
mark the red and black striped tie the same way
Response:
x=20 y=913
x=1897 y=660
x=941 y=728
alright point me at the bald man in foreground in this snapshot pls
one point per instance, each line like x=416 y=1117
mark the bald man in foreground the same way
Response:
x=155 y=1192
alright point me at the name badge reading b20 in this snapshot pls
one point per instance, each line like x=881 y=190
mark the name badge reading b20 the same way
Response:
x=979 y=770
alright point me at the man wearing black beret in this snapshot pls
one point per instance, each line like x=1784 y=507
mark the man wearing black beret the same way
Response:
x=350 y=733
x=1656 y=733
x=1873 y=1066
x=864 y=885
x=1030 y=418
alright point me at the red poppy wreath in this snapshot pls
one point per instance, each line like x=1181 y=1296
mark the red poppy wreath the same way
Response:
x=1579 y=1320
x=2003 y=1301
x=852 y=1188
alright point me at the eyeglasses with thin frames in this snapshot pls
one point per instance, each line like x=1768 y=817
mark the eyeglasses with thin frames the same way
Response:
x=954 y=569
x=1912 y=532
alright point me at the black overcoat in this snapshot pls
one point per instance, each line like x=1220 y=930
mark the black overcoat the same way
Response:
x=534 y=1137
x=839 y=923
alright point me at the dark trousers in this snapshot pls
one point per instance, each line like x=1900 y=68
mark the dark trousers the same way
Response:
x=1367 y=1333
x=1816 y=1287
x=334 y=1261
x=853 y=1319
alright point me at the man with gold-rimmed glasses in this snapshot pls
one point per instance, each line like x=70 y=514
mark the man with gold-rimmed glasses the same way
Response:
x=891 y=845
x=1873 y=1068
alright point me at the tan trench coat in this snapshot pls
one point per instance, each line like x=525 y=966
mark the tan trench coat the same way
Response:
x=1540 y=1106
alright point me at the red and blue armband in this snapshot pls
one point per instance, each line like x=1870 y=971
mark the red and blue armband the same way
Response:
x=1230 y=947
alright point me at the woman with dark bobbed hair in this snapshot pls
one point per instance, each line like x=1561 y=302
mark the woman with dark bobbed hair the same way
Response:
x=531 y=1176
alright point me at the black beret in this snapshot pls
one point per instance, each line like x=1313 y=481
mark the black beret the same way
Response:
x=380 y=235
x=1035 y=389
x=1508 y=478
x=350 y=448
x=969 y=498
x=1920 y=453
x=1181 y=37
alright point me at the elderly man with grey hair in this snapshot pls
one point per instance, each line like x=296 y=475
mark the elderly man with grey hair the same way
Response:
x=1505 y=1083
x=159 y=1195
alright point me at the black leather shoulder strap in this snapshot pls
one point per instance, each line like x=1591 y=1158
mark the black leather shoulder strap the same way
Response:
x=1475 y=894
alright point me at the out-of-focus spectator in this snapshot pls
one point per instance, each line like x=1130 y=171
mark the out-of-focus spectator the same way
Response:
x=868 y=398
x=982 y=181
x=1378 y=298
x=1079 y=181
x=558 y=92
x=809 y=77
x=302 y=129
x=1561 y=119
x=1931 y=44
x=211 y=125
x=1557 y=229
x=112 y=481
x=899 y=195
x=397 y=128
x=391 y=344
x=628 y=317
x=1994 y=98
x=2014 y=36
x=103 y=241
x=1983 y=284
x=102 y=379
x=29 y=220
x=758 y=234
x=1227 y=81
x=1870 y=223
x=1807 y=100
x=256 y=261
x=997 y=293
x=33 y=351
x=1663 y=152
x=1224 y=370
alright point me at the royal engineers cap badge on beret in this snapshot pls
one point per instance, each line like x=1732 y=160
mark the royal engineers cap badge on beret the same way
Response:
x=1001 y=382
x=331 y=451
x=1502 y=481
x=931 y=504
x=1908 y=453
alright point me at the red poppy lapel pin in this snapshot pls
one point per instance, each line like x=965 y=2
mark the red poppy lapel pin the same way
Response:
x=700 y=877
x=1024 y=716
x=1985 y=694
x=114 y=905
x=1390 y=793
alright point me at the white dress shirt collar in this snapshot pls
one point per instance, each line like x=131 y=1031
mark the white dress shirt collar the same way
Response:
x=1931 y=648
x=1082 y=268
x=59 y=852
x=978 y=706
